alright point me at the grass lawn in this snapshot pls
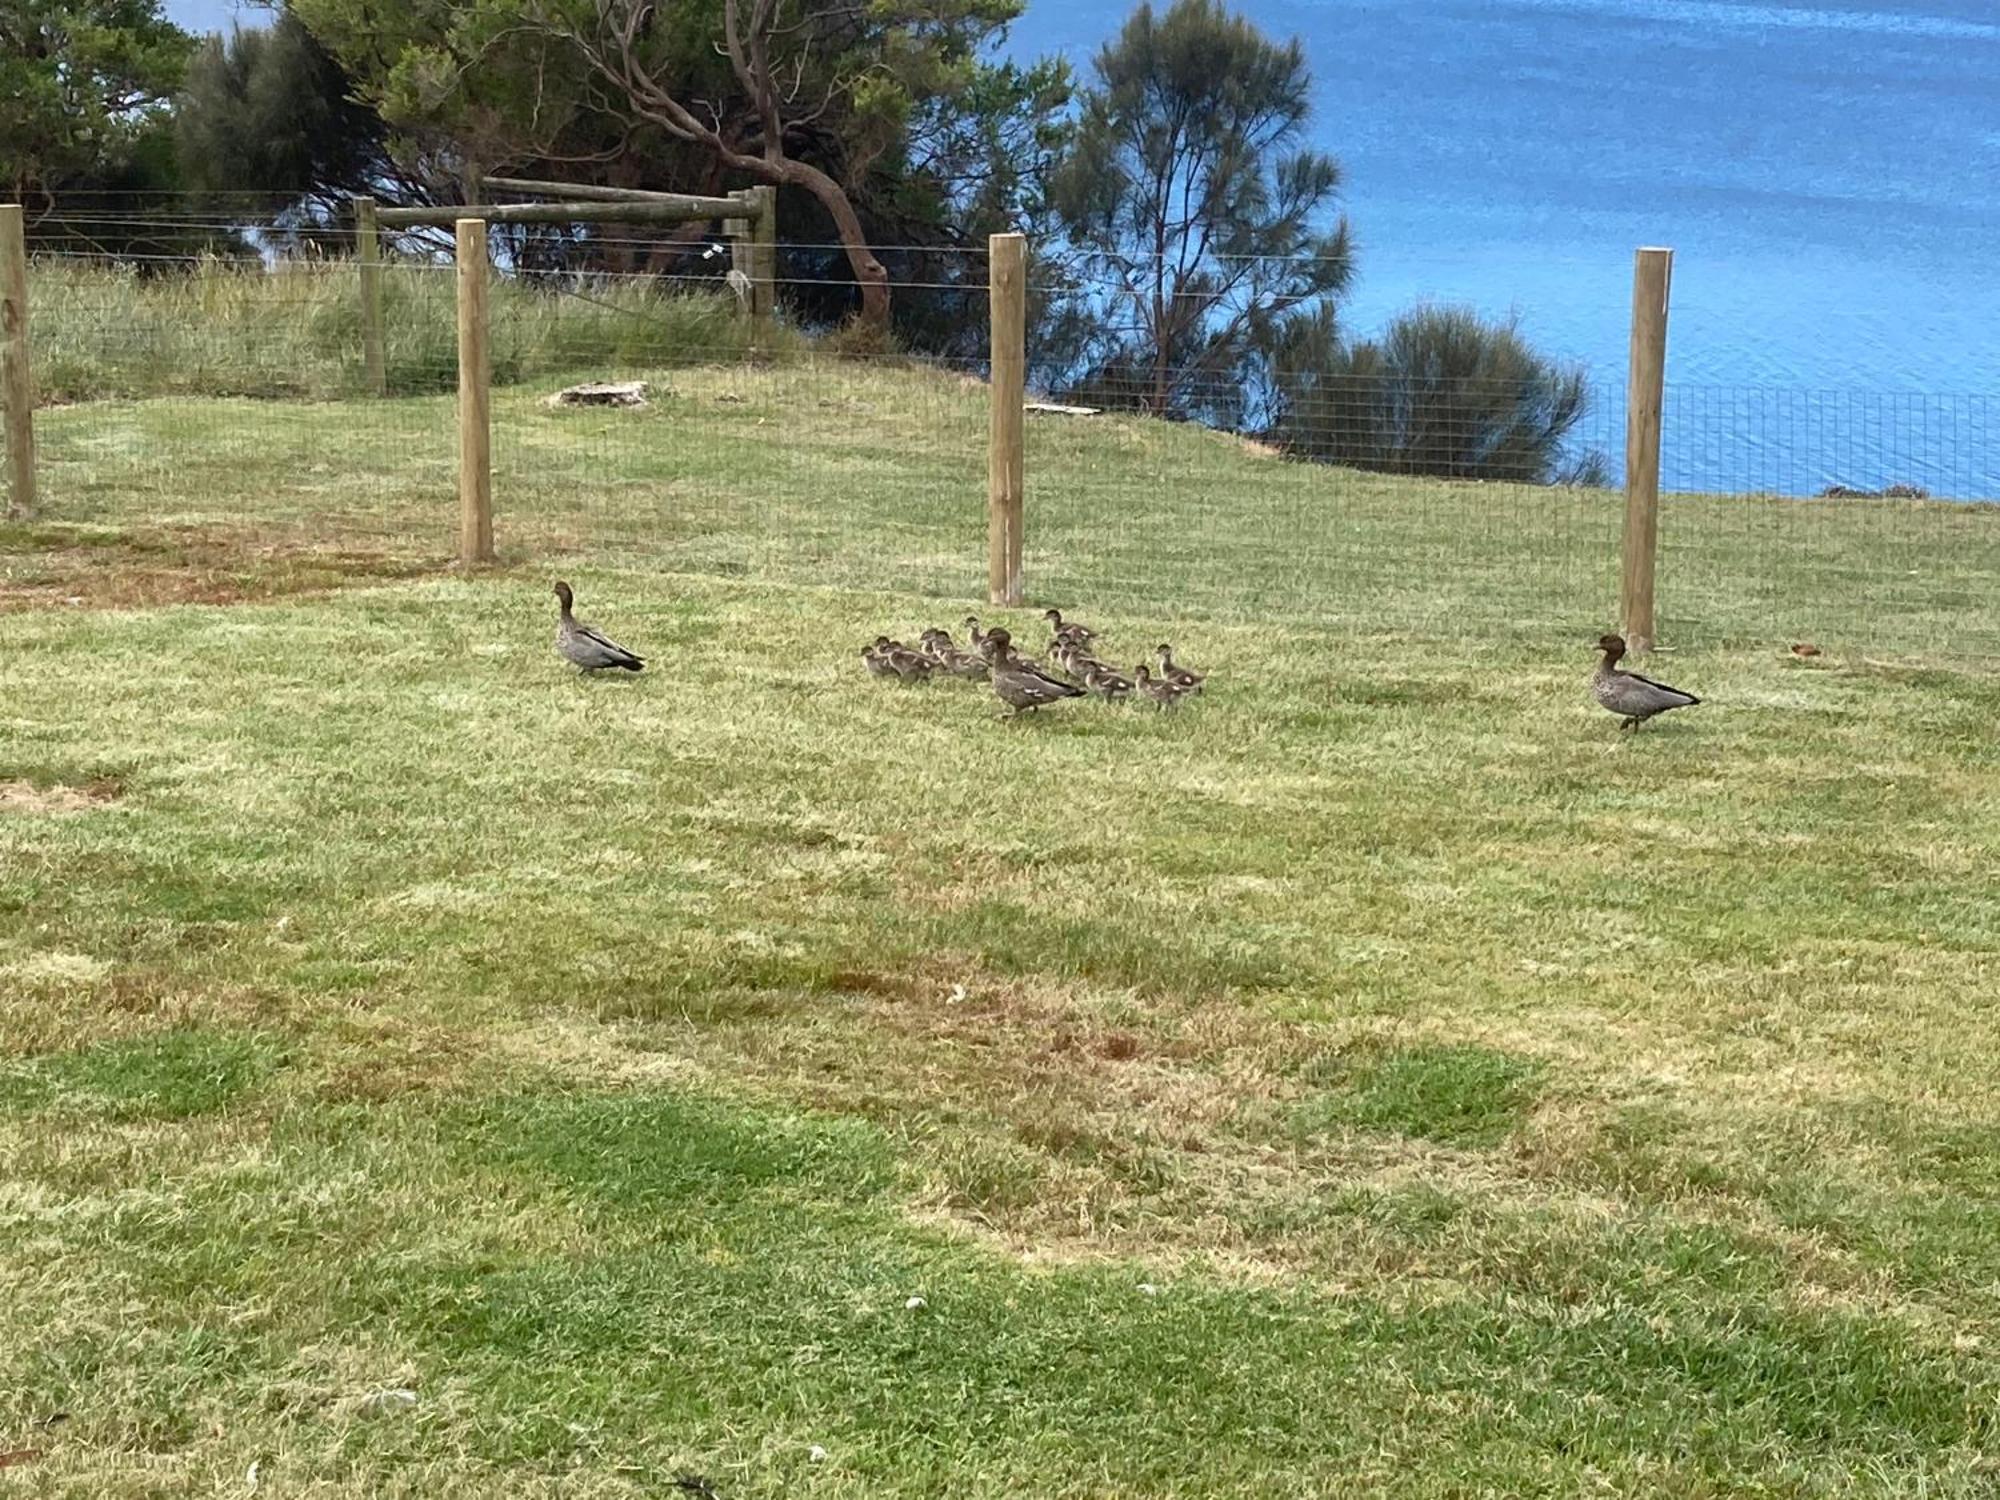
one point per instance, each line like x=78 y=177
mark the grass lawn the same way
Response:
x=1379 y=1076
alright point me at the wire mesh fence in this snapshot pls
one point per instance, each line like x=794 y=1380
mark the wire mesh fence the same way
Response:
x=208 y=409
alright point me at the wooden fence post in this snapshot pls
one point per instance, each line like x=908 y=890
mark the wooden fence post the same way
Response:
x=368 y=258
x=741 y=258
x=17 y=385
x=1006 y=467
x=1645 y=400
x=475 y=436
x=764 y=253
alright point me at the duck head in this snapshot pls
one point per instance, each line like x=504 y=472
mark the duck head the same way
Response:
x=1613 y=646
x=565 y=595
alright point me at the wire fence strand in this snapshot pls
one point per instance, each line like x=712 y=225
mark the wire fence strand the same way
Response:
x=208 y=405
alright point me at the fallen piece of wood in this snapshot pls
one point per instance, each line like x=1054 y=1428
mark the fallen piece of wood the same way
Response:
x=1059 y=410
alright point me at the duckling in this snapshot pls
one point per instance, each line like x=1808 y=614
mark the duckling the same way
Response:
x=973 y=633
x=1179 y=676
x=908 y=665
x=1633 y=698
x=1105 y=683
x=1067 y=629
x=1162 y=692
x=876 y=658
x=1073 y=657
x=584 y=645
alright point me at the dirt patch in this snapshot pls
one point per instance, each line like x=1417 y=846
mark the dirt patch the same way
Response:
x=26 y=797
x=65 y=567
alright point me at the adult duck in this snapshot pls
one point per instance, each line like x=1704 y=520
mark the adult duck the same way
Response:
x=583 y=645
x=1633 y=698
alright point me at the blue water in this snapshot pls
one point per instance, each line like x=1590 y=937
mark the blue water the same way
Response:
x=1828 y=176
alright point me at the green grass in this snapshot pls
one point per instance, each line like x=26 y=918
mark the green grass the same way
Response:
x=1377 y=1076
x=858 y=474
x=295 y=333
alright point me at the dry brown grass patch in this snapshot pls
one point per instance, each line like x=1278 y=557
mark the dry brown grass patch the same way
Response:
x=66 y=568
x=26 y=797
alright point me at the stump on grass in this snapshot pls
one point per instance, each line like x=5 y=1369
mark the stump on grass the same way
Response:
x=602 y=393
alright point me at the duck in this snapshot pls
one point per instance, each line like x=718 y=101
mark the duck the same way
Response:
x=960 y=664
x=1018 y=683
x=876 y=657
x=1105 y=683
x=1074 y=658
x=908 y=665
x=1179 y=676
x=1162 y=692
x=583 y=645
x=1633 y=698
x=1070 y=630
x=1023 y=689
x=911 y=666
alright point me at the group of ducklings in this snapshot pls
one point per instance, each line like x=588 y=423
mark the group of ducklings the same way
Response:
x=1026 y=683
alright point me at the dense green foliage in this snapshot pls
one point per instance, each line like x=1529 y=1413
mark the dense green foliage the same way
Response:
x=1442 y=391
x=81 y=82
x=270 y=109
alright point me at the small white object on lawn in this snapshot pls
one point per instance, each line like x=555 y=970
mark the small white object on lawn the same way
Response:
x=816 y=1453
x=1149 y=1289
x=388 y=1403
x=914 y=1304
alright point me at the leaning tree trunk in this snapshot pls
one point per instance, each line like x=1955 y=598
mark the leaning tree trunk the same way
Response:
x=869 y=273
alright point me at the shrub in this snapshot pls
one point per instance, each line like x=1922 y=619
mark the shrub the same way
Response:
x=1443 y=391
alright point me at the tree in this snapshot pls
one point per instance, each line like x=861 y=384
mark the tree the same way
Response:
x=1443 y=391
x=81 y=84
x=270 y=107
x=844 y=74
x=1189 y=199
x=849 y=106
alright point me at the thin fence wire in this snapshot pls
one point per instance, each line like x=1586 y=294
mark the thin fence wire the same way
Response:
x=205 y=409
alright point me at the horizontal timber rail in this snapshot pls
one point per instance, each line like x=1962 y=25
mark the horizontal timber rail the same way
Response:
x=665 y=209
x=580 y=192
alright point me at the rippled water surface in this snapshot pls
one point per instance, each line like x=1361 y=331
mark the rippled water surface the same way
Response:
x=1828 y=175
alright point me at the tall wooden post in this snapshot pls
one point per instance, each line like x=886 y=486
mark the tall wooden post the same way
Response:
x=17 y=385
x=1645 y=399
x=475 y=436
x=1006 y=466
x=368 y=259
x=763 y=252
x=737 y=230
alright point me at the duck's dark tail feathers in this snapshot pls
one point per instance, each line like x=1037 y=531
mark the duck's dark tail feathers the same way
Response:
x=633 y=664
